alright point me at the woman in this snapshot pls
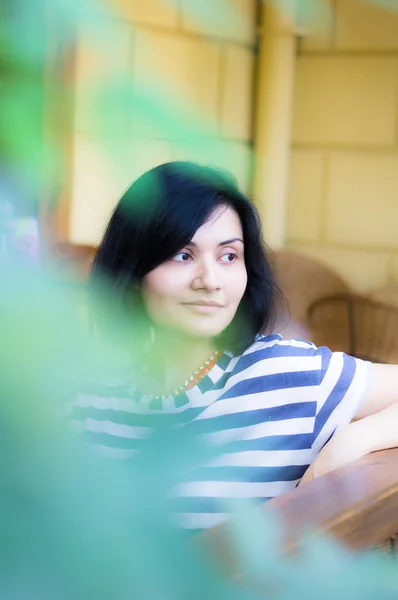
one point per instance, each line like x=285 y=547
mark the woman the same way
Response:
x=183 y=256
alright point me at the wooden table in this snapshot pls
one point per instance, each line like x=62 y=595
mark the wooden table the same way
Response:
x=357 y=505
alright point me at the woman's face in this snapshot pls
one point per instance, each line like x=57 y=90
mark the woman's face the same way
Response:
x=199 y=290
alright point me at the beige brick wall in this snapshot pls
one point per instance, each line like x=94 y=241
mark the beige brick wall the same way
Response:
x=179 y=79
x=343 y=201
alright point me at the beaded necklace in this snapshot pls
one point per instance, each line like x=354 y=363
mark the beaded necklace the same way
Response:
x=193 y=379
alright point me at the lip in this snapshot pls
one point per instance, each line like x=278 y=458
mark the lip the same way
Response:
x=204 y=303
x=203 y=306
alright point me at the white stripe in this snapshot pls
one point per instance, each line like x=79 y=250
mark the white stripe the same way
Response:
x=261 y=343
x=347 y=408
x=261 y=430
x=298 y=344
x=279 y=342
x=130 y=406
x=260 y=400
x=234 y=489
x=107 y=403
x=199 y=399
x=263 y=458
x=330 y=379
x=287 y=364
x=168 y=404
x=115 y=429
x=215 y=373
x=200 y=520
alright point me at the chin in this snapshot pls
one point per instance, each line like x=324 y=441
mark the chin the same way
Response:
x=202 y=333
x=205 y=330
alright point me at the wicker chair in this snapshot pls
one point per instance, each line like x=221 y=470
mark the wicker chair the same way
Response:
x=357 y=325
x=303 y=280
x=387 y=294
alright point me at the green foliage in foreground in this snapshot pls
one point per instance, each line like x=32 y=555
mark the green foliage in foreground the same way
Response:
x=75 y=524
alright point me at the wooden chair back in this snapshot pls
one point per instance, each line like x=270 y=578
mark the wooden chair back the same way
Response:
x=357 y=325
x=303 y=280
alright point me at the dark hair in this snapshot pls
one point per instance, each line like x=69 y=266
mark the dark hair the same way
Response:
x=159 y=214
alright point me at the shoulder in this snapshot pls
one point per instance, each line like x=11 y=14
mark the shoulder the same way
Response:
x=274 y=354
x=279 y=362
x=275 y=347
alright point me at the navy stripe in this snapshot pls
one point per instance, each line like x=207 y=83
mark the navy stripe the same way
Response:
x=328 y=439
x=217 y=423
x=121 y=417
x=299 y=441
x=338 y=393
x=271 y=383
x=205 y=384
x=254 y=417
x=248 y=474
x=273 y=337
x=326 y=358
x=291 y=385
x=136 y=396
x=224 y=361
x=181 y=400
x=112 y=441
x=155 y=404
x=220 y=385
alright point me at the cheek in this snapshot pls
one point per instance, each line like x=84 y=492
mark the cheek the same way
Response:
x=238 y=284
x=161 y=284
x=154 y=285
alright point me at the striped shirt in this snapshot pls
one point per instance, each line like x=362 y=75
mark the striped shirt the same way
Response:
x=267 y=413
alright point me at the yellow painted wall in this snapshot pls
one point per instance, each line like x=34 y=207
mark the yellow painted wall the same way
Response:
x=343 y=200
x=183 y=72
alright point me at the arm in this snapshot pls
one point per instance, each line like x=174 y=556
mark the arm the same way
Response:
x=375 y=429
x=382 y=390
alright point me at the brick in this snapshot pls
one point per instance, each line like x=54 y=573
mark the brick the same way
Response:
x=366 y=26
x=346 y=100
x=362 y=199
x=180 y=78
x=363 y=270
x=100 y=102
x=305 y=195
x=237 y=93
x=102 y=171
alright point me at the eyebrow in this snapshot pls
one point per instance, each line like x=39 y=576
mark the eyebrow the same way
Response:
x=226 y=243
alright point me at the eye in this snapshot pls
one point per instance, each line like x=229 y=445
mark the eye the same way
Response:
x=182 y=257
x=229 y=257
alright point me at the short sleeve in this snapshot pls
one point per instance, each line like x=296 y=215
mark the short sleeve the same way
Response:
x=341 y=390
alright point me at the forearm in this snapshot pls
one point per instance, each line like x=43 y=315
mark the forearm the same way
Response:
x=382 y=390
x=378 y=431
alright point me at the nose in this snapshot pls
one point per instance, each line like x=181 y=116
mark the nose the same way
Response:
x=206 y=277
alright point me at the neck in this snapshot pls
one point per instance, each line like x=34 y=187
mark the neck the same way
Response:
x=174 y=357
